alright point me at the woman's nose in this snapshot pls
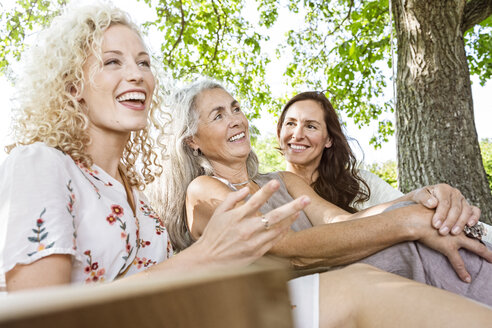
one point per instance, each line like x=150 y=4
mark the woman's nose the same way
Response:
x=234 y=120
x=298 y=133
x=134 y=74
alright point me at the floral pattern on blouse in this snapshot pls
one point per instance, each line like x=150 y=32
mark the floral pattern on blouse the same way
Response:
x=143 y=262
x=148 y=211
x=115 y=216
x=71 y=202
x=94 y=273
x=40 y=235
x=159 y=225
x=93 y=173
x=80 y=212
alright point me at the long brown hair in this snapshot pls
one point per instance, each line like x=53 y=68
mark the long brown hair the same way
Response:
x=338 y=177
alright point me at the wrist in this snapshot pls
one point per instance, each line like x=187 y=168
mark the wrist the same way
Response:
x=200 y=253
x=410 y=196
x=421 y=221
x=414 y=221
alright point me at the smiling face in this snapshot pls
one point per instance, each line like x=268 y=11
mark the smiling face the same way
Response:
x=303 y=135
x=117 y=96
x=222 y=134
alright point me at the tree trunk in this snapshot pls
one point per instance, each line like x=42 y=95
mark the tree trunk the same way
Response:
x=436 y=134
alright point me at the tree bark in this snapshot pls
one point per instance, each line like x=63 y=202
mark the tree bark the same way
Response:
x=435 y=127
x=475 y=12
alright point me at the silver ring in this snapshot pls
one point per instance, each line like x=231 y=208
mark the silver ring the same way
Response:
x=265 y=222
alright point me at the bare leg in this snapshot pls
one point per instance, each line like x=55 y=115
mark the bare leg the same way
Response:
x=363 y=296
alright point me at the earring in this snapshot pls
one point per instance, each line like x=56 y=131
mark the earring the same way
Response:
x=195 y=152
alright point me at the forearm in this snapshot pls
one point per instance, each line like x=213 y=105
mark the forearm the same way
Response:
x=374 y=210
x=346 y=242
x=192 y=258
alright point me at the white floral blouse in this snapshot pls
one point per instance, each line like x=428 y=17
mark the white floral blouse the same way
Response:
x=51 y=205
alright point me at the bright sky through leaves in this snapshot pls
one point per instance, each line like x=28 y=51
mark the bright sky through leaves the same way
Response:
x=481 y=95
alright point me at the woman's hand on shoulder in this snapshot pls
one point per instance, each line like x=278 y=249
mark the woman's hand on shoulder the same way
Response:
x=236 y=234
x=452 y=210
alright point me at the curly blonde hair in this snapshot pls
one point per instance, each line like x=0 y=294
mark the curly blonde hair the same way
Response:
x=52 y=76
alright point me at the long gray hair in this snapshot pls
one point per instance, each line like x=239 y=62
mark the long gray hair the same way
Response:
x=168 y=194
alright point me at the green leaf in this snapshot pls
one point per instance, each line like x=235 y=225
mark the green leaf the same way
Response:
x=352 y=50
x=43 y=236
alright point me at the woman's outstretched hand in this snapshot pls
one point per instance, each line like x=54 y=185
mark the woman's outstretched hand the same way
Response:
x=239 y=235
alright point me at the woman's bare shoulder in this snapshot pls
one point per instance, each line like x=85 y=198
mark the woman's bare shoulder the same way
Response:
x=206 y=187
x=288 y=175
x=297 y=186
x=292 y=179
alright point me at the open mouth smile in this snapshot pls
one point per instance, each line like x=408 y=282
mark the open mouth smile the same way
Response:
x=134 y=100
x=236 y=137
x=297 y=147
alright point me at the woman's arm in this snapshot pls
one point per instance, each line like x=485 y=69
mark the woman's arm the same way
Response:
x=344 y=242
x=32 y=183
x=337 y=244
x=452 y=211
x=349 y=241
x=47 y=271
x=235 y=233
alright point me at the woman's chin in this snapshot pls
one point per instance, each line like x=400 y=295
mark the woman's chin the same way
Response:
x=241 y=150
x=292 y=156
x=296 y=159
x=242 y=156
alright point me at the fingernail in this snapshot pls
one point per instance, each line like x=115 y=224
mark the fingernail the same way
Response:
x=431 y=202
x=468 y=279
x=444 y=230
x=306 y=200
x=471 y=222
x=437 y=224
x=456 y=230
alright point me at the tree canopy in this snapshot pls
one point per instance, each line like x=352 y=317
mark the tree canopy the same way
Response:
x=341 y=46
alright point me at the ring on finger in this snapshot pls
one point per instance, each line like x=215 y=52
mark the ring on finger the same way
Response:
x=265 y=222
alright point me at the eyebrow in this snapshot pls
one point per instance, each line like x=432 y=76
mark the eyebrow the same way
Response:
x=220 y=108
x=312 y=121
x=120 y=53
x=290 y=118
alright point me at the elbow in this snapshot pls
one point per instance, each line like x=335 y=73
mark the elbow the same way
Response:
x=339 y=218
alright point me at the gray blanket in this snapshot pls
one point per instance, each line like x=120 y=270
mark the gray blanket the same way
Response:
x=418 y=262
